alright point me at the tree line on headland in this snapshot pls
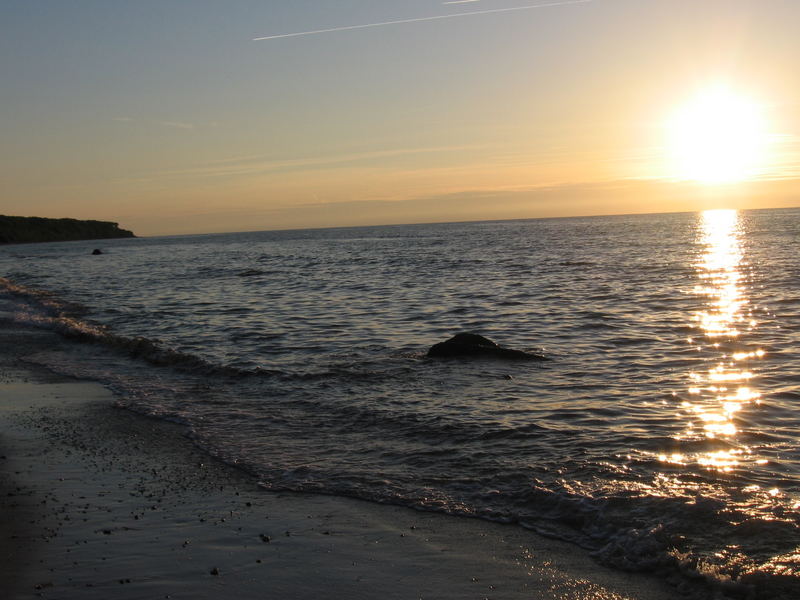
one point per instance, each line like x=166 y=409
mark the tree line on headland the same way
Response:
x=19 y=230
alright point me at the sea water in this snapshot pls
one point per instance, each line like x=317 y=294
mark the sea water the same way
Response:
x=663 y=434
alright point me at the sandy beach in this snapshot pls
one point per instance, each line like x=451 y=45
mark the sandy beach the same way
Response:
x=99 y=502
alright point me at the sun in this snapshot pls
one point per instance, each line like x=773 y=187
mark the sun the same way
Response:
x=719 y=136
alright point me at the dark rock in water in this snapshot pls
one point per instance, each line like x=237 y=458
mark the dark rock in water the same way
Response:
x=96 y=251
x=474 y=345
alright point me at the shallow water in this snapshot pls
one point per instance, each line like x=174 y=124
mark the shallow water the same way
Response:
x=662 y=434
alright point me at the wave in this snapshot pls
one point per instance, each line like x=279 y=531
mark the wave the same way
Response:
x=44 y=309
x=623 y=530
x=631 y=529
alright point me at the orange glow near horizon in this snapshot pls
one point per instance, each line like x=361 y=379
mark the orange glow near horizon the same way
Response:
x=391 y=113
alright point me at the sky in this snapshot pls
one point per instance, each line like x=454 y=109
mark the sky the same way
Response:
x=195 y=116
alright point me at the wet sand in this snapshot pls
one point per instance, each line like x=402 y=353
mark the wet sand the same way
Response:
x=98 y=502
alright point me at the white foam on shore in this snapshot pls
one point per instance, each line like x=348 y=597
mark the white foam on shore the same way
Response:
x=131 y=509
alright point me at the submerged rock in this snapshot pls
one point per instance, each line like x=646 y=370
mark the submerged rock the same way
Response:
x=474 y=345
x=97 y=251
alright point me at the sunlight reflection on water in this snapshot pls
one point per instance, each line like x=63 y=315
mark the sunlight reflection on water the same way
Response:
x=299 y=355
x=722 y=391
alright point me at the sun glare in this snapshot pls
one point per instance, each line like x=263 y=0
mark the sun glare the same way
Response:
x=720 y=136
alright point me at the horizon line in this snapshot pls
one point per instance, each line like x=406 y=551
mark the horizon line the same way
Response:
x=581 y=216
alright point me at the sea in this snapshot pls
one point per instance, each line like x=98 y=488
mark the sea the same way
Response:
x=662 y=435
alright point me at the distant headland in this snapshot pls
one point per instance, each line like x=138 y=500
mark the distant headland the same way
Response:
x=21 y=230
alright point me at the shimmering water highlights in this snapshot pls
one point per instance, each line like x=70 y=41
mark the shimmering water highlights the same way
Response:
x=663 y=434
x=720 y=392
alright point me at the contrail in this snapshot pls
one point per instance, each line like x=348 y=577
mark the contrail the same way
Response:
x=418 y=19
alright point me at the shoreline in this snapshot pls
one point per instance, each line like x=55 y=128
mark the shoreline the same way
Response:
x=108 y=502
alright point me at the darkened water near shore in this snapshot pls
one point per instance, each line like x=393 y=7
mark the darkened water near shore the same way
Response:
x=663 y=434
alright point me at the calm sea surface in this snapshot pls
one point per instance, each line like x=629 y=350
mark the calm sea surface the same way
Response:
x=663 y=435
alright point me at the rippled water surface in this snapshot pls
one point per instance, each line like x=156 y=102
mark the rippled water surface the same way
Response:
x=662 y=434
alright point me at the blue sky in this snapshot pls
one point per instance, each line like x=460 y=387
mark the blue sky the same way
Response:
x=168 y=117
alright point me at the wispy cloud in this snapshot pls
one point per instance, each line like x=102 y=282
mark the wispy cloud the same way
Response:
x=460 y=1
x=177 y=124
x=256 y=165
x=173 y=124
x=420 y=19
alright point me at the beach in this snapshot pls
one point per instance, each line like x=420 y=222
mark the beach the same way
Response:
x=457 y=299
x=98 y=501
x=659 y=438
